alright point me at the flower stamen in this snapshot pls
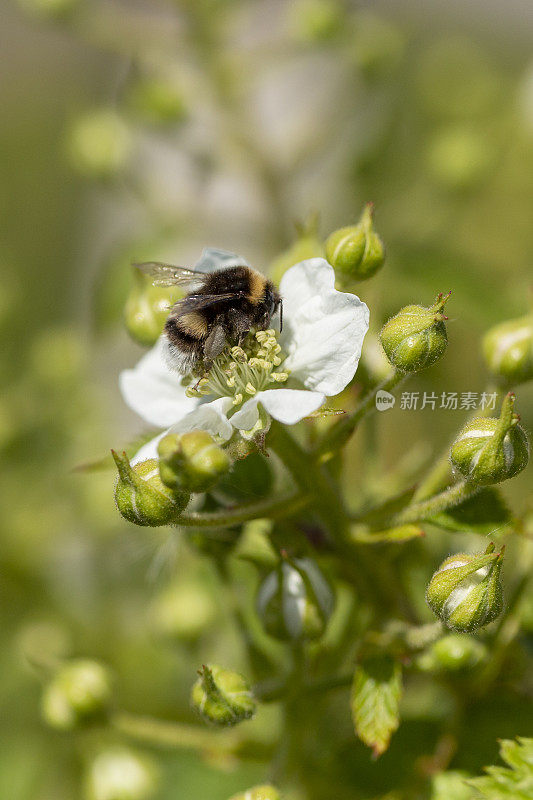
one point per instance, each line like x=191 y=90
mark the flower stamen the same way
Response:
x=242 y=371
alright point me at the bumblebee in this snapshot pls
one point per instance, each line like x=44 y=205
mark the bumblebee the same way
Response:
x=221 y=309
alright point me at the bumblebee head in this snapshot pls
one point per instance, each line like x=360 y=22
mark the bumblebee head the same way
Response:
x=272 y=301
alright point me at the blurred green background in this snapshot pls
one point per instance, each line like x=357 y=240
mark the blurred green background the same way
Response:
x=152 y=129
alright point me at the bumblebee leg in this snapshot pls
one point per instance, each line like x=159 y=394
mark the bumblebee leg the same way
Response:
x=239 y=324
x=214 y=344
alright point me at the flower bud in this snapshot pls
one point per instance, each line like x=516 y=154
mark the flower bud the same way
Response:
x=465 y=592
x=99 y=144
x=258 y=793
x=48 y=9
x=121 y=774
x=222 y=697
x=191 y=461
x=158 y=100
x=491 y=449
x=307 y=245
x=376 y=45
x=146 y=309
x=356 y=252
x=416 y=336
x=508 y=350
x=80 y=691
x=295 y=601
x=140 y=495
x=316 y=20
x=183 y=610
x=460 y=157
x=453 y=653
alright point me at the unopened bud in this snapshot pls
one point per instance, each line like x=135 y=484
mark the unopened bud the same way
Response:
x=377 y=45
x=356 y=252
x=307 y=245
x=99 y=144
x=491 y=449
x=48 y=9
x=455 y=652
x=183 y=610
x=465 y=592
x=121 y=774
x=508 y=350
x=192 y=461
x=157 y=100
x=146 y=309
x=416 y=336
x=222 y=697
x=80 y=691
x=295 y=601
x=142 y=497
x=316 y=20
x=258 y=793
x=460 y=157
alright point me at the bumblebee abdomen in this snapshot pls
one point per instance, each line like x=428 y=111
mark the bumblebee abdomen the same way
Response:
x=193 y=323
x=180 y=337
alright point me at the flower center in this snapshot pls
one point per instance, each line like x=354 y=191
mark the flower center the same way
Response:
x=241 y=372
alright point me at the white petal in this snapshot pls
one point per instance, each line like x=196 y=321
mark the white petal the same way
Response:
x=212 y=259
x=154 y=391
x=323 y=329
x=286 y=405
x=211 y=417
x=148 y=450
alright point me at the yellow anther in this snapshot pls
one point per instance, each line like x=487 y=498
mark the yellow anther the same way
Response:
x=237 y=399
x=250 y=389
x=238 y=354
x=276 y=360
x=279 y=377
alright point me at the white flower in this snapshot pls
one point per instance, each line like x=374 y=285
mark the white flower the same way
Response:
x=323 y=332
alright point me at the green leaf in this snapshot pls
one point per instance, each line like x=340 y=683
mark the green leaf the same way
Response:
x=375 y=701
x=403 y=533
x=376 y=518
x=451 y=784
x=482 y=513
x=514 y=782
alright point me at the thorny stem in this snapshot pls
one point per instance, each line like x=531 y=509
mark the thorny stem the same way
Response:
x=339 y=433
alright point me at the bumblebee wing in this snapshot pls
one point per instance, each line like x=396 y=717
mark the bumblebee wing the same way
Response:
x=197 y=302
x=169 y=275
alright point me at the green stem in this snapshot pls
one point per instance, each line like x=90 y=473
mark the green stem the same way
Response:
x=358 y=564
x=440 y=473
x=417 y=512
x=270 y=507
x=509 y=626
x=174 y=734
x=177 y=735
x=339 y=433
x=313 y=482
